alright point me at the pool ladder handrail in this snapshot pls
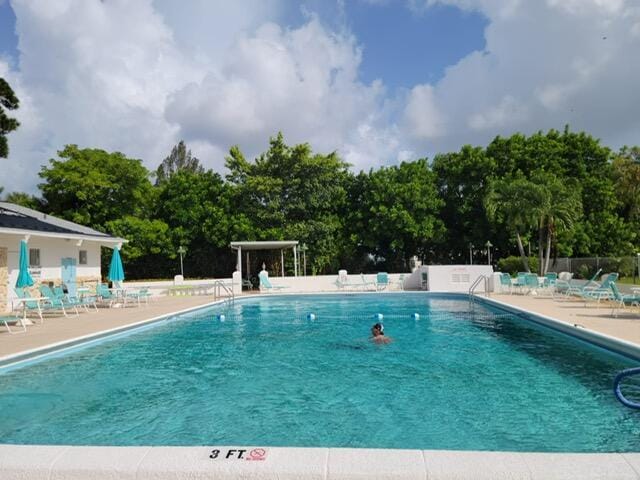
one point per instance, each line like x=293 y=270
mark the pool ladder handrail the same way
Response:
x=474 y=285
x=617 y=389
x=217 y=287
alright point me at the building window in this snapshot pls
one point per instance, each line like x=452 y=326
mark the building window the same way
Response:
x=34 y=257
x=82 y=257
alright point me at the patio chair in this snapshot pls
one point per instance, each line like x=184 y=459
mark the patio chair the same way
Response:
x=580 y=289
x=60 y=302
x=37 y=305
x=366 y=284
x=400 y=282
x=531 y=283
x=621 y=300
x=266 y=285
x=506 y=283
x=8 y=320
x=563 y=283
x=72 y=297
x=382 y=281
x=106 y=296
x=602 y=292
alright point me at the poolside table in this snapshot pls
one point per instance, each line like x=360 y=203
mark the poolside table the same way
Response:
x=24 y=301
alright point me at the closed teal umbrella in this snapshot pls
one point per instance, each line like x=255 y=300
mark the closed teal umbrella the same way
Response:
x=24 y=277
x=116 y=272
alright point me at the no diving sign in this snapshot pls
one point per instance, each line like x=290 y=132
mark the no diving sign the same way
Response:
x=254 y=454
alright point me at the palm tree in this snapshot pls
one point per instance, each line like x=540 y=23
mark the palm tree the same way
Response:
x=562 y=210
x=519 y=204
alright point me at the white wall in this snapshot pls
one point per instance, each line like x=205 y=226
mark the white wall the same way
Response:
x=456 y=278
x=52 y=250
x=327 y=283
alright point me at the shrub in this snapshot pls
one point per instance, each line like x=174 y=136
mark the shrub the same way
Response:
x=513 y=265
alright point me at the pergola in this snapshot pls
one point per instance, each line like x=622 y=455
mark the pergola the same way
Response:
x=281 y=245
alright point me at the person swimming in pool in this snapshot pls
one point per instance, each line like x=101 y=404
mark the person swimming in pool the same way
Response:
x=378 y=336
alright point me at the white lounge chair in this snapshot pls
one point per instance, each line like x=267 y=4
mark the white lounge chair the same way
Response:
x=8 y=320
x=266 y=285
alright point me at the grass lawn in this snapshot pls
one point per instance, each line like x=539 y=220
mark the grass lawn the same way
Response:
x=629 y=280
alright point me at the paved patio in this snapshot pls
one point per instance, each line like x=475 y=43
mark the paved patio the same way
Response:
x=572 y=311
x=60 y=328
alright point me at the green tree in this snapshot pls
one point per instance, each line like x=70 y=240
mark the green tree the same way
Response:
x=291 y=193
x=626 y=174
x=24 y=199
x=463 y=180
x=197 y=208
x=396 y=213
x=180 y=159
x=149 y=248
x=9 y=101
x=560 y=210
x=92 y=187
x=516 y=204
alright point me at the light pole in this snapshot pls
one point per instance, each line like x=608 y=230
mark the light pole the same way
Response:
x=181 y=251
x=488 y=245
x=303 y=249
x=470 y=253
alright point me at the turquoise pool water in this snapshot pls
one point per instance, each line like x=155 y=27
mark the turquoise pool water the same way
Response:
x=269 y=376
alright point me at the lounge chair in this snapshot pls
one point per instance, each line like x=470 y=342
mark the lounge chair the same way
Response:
x=382 y=281
x=622 y=300
x=57 y=302
x=83 y=297
x=72 y=297
x=7 y=320
x=506 y=283
x=563 y=283
x=266 y=285
x=580 y=289
x=39 y=305
x=343 y=281
x=602 y=292
x=105 y=296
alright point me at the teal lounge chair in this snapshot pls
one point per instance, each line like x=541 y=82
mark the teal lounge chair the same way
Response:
x=105 y=296
x=33 y=304
x=7 y=320
x=57 y=302
x=602 y=292
x=382 y=281
x=84 y=300
x=266 y=285
x=506 y=283
x=621 y=300
x=580 y=289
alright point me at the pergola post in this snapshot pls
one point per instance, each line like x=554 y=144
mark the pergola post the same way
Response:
x=282 y=261
x=240 y=261
x=248 y=269
x=295 y=261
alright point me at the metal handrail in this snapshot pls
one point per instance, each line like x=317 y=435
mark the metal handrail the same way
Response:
x=474 y=285
x=617 y=389
x=217 y=285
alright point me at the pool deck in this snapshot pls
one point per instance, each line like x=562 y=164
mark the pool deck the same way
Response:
x=59 y=328
x=626 y=326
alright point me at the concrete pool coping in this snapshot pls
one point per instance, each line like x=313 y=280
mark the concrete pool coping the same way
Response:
x=106 y=462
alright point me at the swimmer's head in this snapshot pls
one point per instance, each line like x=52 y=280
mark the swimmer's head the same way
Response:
x=377 y=329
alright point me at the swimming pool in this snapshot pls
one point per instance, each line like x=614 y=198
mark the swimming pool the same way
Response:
x=268 y=375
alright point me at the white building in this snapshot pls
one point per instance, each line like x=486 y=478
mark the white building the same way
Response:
x=59 y=251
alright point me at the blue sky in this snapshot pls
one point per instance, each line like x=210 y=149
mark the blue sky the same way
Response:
x=8 y=38
x=378 y=81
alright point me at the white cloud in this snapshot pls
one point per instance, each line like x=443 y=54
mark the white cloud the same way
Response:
x=544 y=65
x=302 y=82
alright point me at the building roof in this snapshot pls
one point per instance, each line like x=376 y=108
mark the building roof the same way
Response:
x=15 y=219
x=270 y=245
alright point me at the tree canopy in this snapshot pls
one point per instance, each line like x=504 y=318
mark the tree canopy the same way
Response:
x=558 y=193
x=8 y=101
